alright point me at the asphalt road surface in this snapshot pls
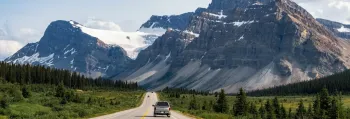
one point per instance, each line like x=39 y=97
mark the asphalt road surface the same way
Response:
x=145 y=111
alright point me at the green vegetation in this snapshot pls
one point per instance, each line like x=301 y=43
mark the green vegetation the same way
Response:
x=37 y=92
x=314 y=99
x=45 y=104
x=334 y=83
x=28 y=74
x=320 y=106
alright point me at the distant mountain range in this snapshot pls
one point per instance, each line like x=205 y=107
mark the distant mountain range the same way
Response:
x=231 y=44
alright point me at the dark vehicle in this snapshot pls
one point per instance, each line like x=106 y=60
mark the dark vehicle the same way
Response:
x=162 y=108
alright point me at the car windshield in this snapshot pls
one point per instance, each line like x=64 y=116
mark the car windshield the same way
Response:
x=162 y=104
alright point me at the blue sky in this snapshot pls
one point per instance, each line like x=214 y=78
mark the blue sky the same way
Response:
x=24 y=21
x=37 y=14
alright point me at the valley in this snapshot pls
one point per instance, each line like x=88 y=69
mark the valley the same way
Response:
x=253 y=44
x=245 y=59
x=206 y=106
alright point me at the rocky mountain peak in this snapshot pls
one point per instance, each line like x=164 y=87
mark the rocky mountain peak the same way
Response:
x=231 y=44
x=241 y=43
x=63 y=27
x=65 y=46
x=179 y=22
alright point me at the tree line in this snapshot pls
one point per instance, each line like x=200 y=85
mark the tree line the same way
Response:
x=176 y=92
x=334 y=83
x=34 y=74
x=323 y=106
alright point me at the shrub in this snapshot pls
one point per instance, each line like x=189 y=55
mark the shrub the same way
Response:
x=4 y=102
x=82 y=113
x=60 y=91
x=25 y=92
x=64 y=101
x=16 y=95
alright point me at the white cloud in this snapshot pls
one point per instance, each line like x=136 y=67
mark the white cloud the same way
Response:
x=340 y=4
x=8 y=48
x=11 y=39
x=26 y=35
x=102 y=25
x=23 y=35
x=336 y=10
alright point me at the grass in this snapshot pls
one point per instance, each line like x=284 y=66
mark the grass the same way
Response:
x=181 y=104
x=44 y=105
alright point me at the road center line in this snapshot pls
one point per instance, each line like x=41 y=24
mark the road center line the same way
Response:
x=145 y=114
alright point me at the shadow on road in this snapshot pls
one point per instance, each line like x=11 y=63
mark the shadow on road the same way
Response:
x=143 y=116
x=151 y=116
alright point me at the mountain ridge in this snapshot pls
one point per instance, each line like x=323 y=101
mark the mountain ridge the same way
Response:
x=65 y=46
x=256 y=44
x=230 y=44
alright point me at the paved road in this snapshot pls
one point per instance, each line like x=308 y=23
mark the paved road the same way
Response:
x=145 y=111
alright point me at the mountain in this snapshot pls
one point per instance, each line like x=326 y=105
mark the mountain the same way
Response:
x=163 y=22
x=231 y=44
x=339 y=29
x=70 y=45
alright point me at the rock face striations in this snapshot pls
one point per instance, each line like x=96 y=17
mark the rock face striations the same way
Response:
x=231 y=44
x=238 y=43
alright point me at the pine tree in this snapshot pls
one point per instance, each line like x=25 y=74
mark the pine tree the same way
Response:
x=325 y=100
x=309 y=111
x=276 y=107
x=241 y=104
x=205 y=105
x=290 y=115
x=317 y=112
x=283 y=112
x=25 y=92
x=300 y=112
x=221 y=105
x=262 y=112
x=340 y=106
x=60 y=91
x=253 y=110
x=336 y=110
x=270 y=110
x=193 y=104
x=211 y=105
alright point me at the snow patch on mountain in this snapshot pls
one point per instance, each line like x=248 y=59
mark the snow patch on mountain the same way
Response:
x=190 y=32
x=343 y=29
x=72 y=62
x=71 y=51
x=220 y=15
x=131 y=42
x=240 y=23
x=35 y=58
x=240 y=38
